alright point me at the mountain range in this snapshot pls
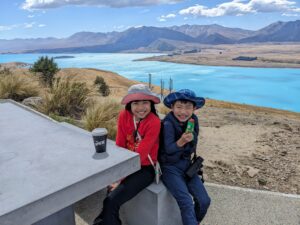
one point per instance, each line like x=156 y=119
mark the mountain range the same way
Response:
x=154 y=39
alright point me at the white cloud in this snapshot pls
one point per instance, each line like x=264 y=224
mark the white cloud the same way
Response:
x=10 y=27
x=170 y=15
x=120 y=27
x=29 y=25
x=164 y=18
x=290 y=14
x=32 y=25
x=144 y=11
x=240 y=7
x=138 y=26
x=296 y=10
x=271 y=5
x=46 y=4
x=21 y=26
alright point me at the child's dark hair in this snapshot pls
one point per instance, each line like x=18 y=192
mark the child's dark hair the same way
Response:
x=152 y=108
x=184 y=101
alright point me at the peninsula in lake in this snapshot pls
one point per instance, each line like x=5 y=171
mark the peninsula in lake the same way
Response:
x=269 y=55
x=64 y=57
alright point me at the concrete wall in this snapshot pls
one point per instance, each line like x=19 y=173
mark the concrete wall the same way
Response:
x=46 y=166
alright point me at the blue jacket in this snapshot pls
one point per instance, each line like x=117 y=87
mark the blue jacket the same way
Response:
x=170 y=153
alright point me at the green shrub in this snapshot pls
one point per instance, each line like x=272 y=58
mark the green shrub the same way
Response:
x=99 y=80
x=66 y=98
x=103 y=114
x=46 y=69
x=16 y=87
x=102 y=87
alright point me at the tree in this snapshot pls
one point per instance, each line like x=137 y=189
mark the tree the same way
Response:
x=102 y=87
x=99 y=80
x=46 y=68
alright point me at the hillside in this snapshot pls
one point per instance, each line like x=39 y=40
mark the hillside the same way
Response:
x=243 y=145
x=276 y=32
x=144 y=39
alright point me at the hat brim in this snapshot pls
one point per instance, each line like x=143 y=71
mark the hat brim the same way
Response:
x=139 y=97
x=175 y=96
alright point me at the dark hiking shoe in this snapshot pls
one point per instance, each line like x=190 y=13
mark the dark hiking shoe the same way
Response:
x=98 y=220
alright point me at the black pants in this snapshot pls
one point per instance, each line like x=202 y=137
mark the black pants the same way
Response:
x=128 y=188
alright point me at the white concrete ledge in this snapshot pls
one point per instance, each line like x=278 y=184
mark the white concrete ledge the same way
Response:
x=46 y=166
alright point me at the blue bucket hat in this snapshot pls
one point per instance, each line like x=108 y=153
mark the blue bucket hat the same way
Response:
x=184 y=94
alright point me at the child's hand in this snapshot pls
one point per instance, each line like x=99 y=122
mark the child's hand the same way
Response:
x=185 y=138
x=113 y=186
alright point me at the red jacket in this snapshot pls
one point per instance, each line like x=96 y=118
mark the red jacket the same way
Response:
x=149 y=129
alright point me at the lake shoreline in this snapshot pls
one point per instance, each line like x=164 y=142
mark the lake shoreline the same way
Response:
x=271 y=55
x=171 y=60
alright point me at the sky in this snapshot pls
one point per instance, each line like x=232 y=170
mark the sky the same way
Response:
x=62 y=18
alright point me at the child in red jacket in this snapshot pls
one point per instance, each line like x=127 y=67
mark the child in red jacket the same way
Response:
x=138 y=131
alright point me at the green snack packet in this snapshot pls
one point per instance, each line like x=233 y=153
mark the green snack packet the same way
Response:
x=190 y=126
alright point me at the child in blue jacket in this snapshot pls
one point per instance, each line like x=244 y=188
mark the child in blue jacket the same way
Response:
x=175 y=156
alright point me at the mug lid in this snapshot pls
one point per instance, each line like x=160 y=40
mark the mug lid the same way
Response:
x=99 y=131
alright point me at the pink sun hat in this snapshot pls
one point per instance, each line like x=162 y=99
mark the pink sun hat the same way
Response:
x=138 y=92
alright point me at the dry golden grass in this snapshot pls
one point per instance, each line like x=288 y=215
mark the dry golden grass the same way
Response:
x=103 y=113
x=66 y=98
x=251 y=108
x=162 y=109
x=18 y=87
x=118 y=85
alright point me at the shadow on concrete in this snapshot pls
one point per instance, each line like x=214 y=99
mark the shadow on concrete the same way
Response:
x=98 y=156
x=88 y=208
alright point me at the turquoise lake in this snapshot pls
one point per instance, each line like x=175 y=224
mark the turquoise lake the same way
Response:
x=269 y=87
